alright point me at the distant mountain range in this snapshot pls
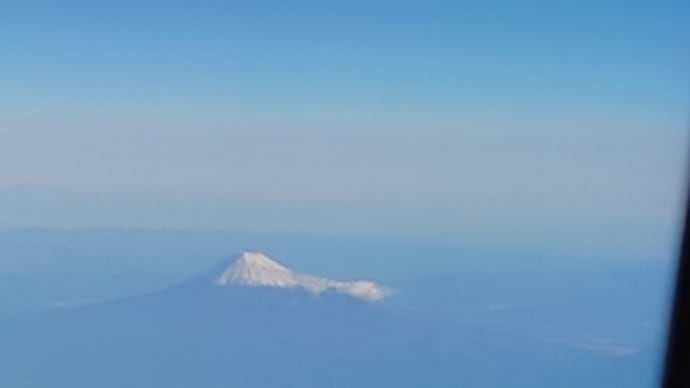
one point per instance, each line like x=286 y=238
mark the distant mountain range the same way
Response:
x=251 y=322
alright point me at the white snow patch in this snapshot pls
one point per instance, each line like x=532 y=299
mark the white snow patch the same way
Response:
x=255 y=269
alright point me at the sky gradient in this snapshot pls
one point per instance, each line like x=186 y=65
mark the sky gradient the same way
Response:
x=500 y=122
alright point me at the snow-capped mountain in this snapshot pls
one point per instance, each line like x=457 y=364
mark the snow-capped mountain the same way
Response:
x=256 y=323
x=254 y=269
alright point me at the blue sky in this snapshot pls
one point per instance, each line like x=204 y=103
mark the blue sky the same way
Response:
x=497 y=122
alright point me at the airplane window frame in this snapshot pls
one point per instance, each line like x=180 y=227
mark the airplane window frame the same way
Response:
x=676 y=372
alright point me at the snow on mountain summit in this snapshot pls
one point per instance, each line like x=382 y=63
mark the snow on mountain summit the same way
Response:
x=254 y=269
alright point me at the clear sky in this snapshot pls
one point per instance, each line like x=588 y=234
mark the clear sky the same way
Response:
x=502 y=122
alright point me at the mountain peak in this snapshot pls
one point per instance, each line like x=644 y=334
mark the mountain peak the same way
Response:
x=256 y=259
x=255 y=269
